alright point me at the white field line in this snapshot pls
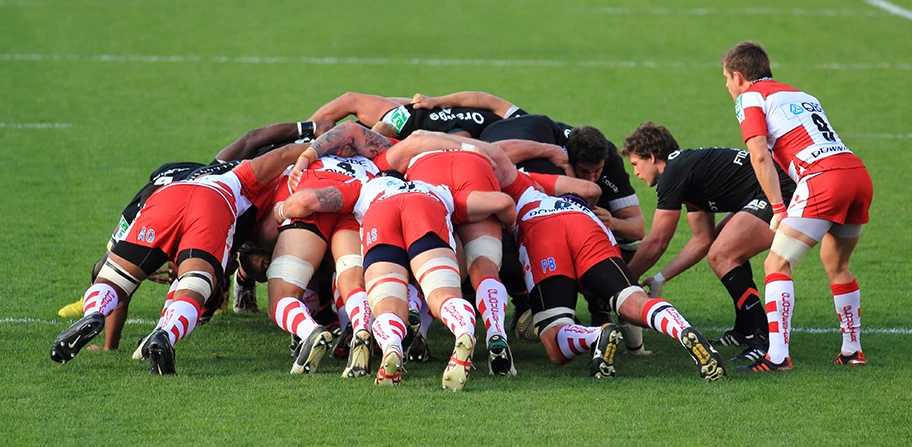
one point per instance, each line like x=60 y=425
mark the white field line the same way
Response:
x=882 y=136
x=175 y=59
x=891 y=8
x=131 y=321
x=739 y=12
x=35 y=125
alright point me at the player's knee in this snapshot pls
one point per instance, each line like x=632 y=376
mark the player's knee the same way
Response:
x=438 y=273
x=196 y=281
x=113 y=273
x=785 y=250
x=350 y=271
x=487 y=247
x=290 y=269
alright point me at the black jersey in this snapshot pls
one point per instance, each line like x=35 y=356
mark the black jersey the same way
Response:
x=538 y=128
x=718 y=180
x=406 y=119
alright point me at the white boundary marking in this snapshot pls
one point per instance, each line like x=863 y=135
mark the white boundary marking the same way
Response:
x=883 y=136
x=422 y=62
x=810 y=330
x=35 y=125
x=891 y=8
x=739 y=12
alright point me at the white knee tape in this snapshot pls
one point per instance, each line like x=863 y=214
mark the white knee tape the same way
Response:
x=197 y=281
x=437 y=273
x=485 y=246
x=114 y=273
x=291 y=269
x=559 y=316
x=623 y=295
x=390 y=285
x=348 y=262
x=789 y=248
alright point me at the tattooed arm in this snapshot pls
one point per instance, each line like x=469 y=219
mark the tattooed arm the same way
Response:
x=364 y=141
x=308 y=201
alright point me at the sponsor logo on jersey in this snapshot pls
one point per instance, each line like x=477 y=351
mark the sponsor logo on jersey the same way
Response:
x=121 y=228
x=397 y=118
x=828 y=150
x=796 y=109
x=739 y=109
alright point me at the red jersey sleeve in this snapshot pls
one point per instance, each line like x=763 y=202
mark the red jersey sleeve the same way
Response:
x=519 y=186
x=250 y=186
x=350 y=190
x=381 y=162
x=547 y=181
x=749 y=111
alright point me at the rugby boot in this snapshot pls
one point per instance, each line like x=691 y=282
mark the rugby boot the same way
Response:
x=343 y=343
x=603 y=349
x=311 y=350
x=418 y=350
x=757 y=345
x=293 y=347
x=244 y=297
x=856 y=358
x=359 y=355
x=500 y=358
x=457 y=371
x=72 y=310
x=390 y=371
x=732 y=338
x=764 y=364
x=518 y=311
x=142 y=348
x=707 y=358
x=79 y=334
x=161 y=353
x=414 y=326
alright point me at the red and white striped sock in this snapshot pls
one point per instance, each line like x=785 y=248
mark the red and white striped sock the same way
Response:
x=780 y=303
x=574 y=339
x=847 y=299
x=99 y=298
x=458 y=315
x=389 y=330
x=663 y=317
x=340 y=306
x=491 y=299
x=292 y=316
x=181 y=318
x=168 y=300
x=358 y=310
x=311 y=301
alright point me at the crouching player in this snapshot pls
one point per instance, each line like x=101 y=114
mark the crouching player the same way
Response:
x=405 y=227
x=190 y=223
x=563 y=245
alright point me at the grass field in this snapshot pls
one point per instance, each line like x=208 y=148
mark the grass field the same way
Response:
x=96 y=94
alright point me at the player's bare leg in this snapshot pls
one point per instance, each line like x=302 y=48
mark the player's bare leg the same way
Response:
x=835 y=252
x=296 y=254
x=743 y=237
x=483 y=246
x=346 y=249
x=438 y=274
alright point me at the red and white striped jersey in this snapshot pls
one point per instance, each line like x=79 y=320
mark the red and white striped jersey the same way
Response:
x=359 y=194
x=796 y=128
x=239 y=187
x=345 y=168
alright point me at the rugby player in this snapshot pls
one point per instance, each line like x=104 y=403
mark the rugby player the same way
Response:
x=406 y=228
x=706 y=181
x=563 y=245
x=253 y=143
x=192 y=224
x=781 y=124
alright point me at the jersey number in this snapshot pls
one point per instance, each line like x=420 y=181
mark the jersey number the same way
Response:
x=823 y=127
x=548 y=264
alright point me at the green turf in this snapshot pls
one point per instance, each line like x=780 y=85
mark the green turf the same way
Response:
x=61 y=190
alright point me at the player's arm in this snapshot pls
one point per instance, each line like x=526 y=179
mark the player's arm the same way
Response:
x=664 y=223
x=245 y=147
x=765 y=168
x=474 y=100
x=481 y=204
x=308 y=201
x=400 y=99
x=519 y=151
x=268 y=167
x=350 y=134
x=368 y=108
x=704 y=233
x=627 y=223
x=504 y=169
x=564 y=184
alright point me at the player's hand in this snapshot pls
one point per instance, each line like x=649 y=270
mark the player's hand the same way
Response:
x=164 y=275
x=603 y=215
x=655 y=286
x=96 y=348
x=278 y=212
x=297 y=172
x=561 y=160
x=779 y=212
x=423 y=101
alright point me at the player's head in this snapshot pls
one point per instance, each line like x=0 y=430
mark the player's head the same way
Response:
x=743 y=64
x=254 y=260
x=587 y=149
x=575 y=198
x=648 y=148
x=391 y=173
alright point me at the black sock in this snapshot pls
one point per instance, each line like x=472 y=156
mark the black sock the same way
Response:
x=750 y=313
